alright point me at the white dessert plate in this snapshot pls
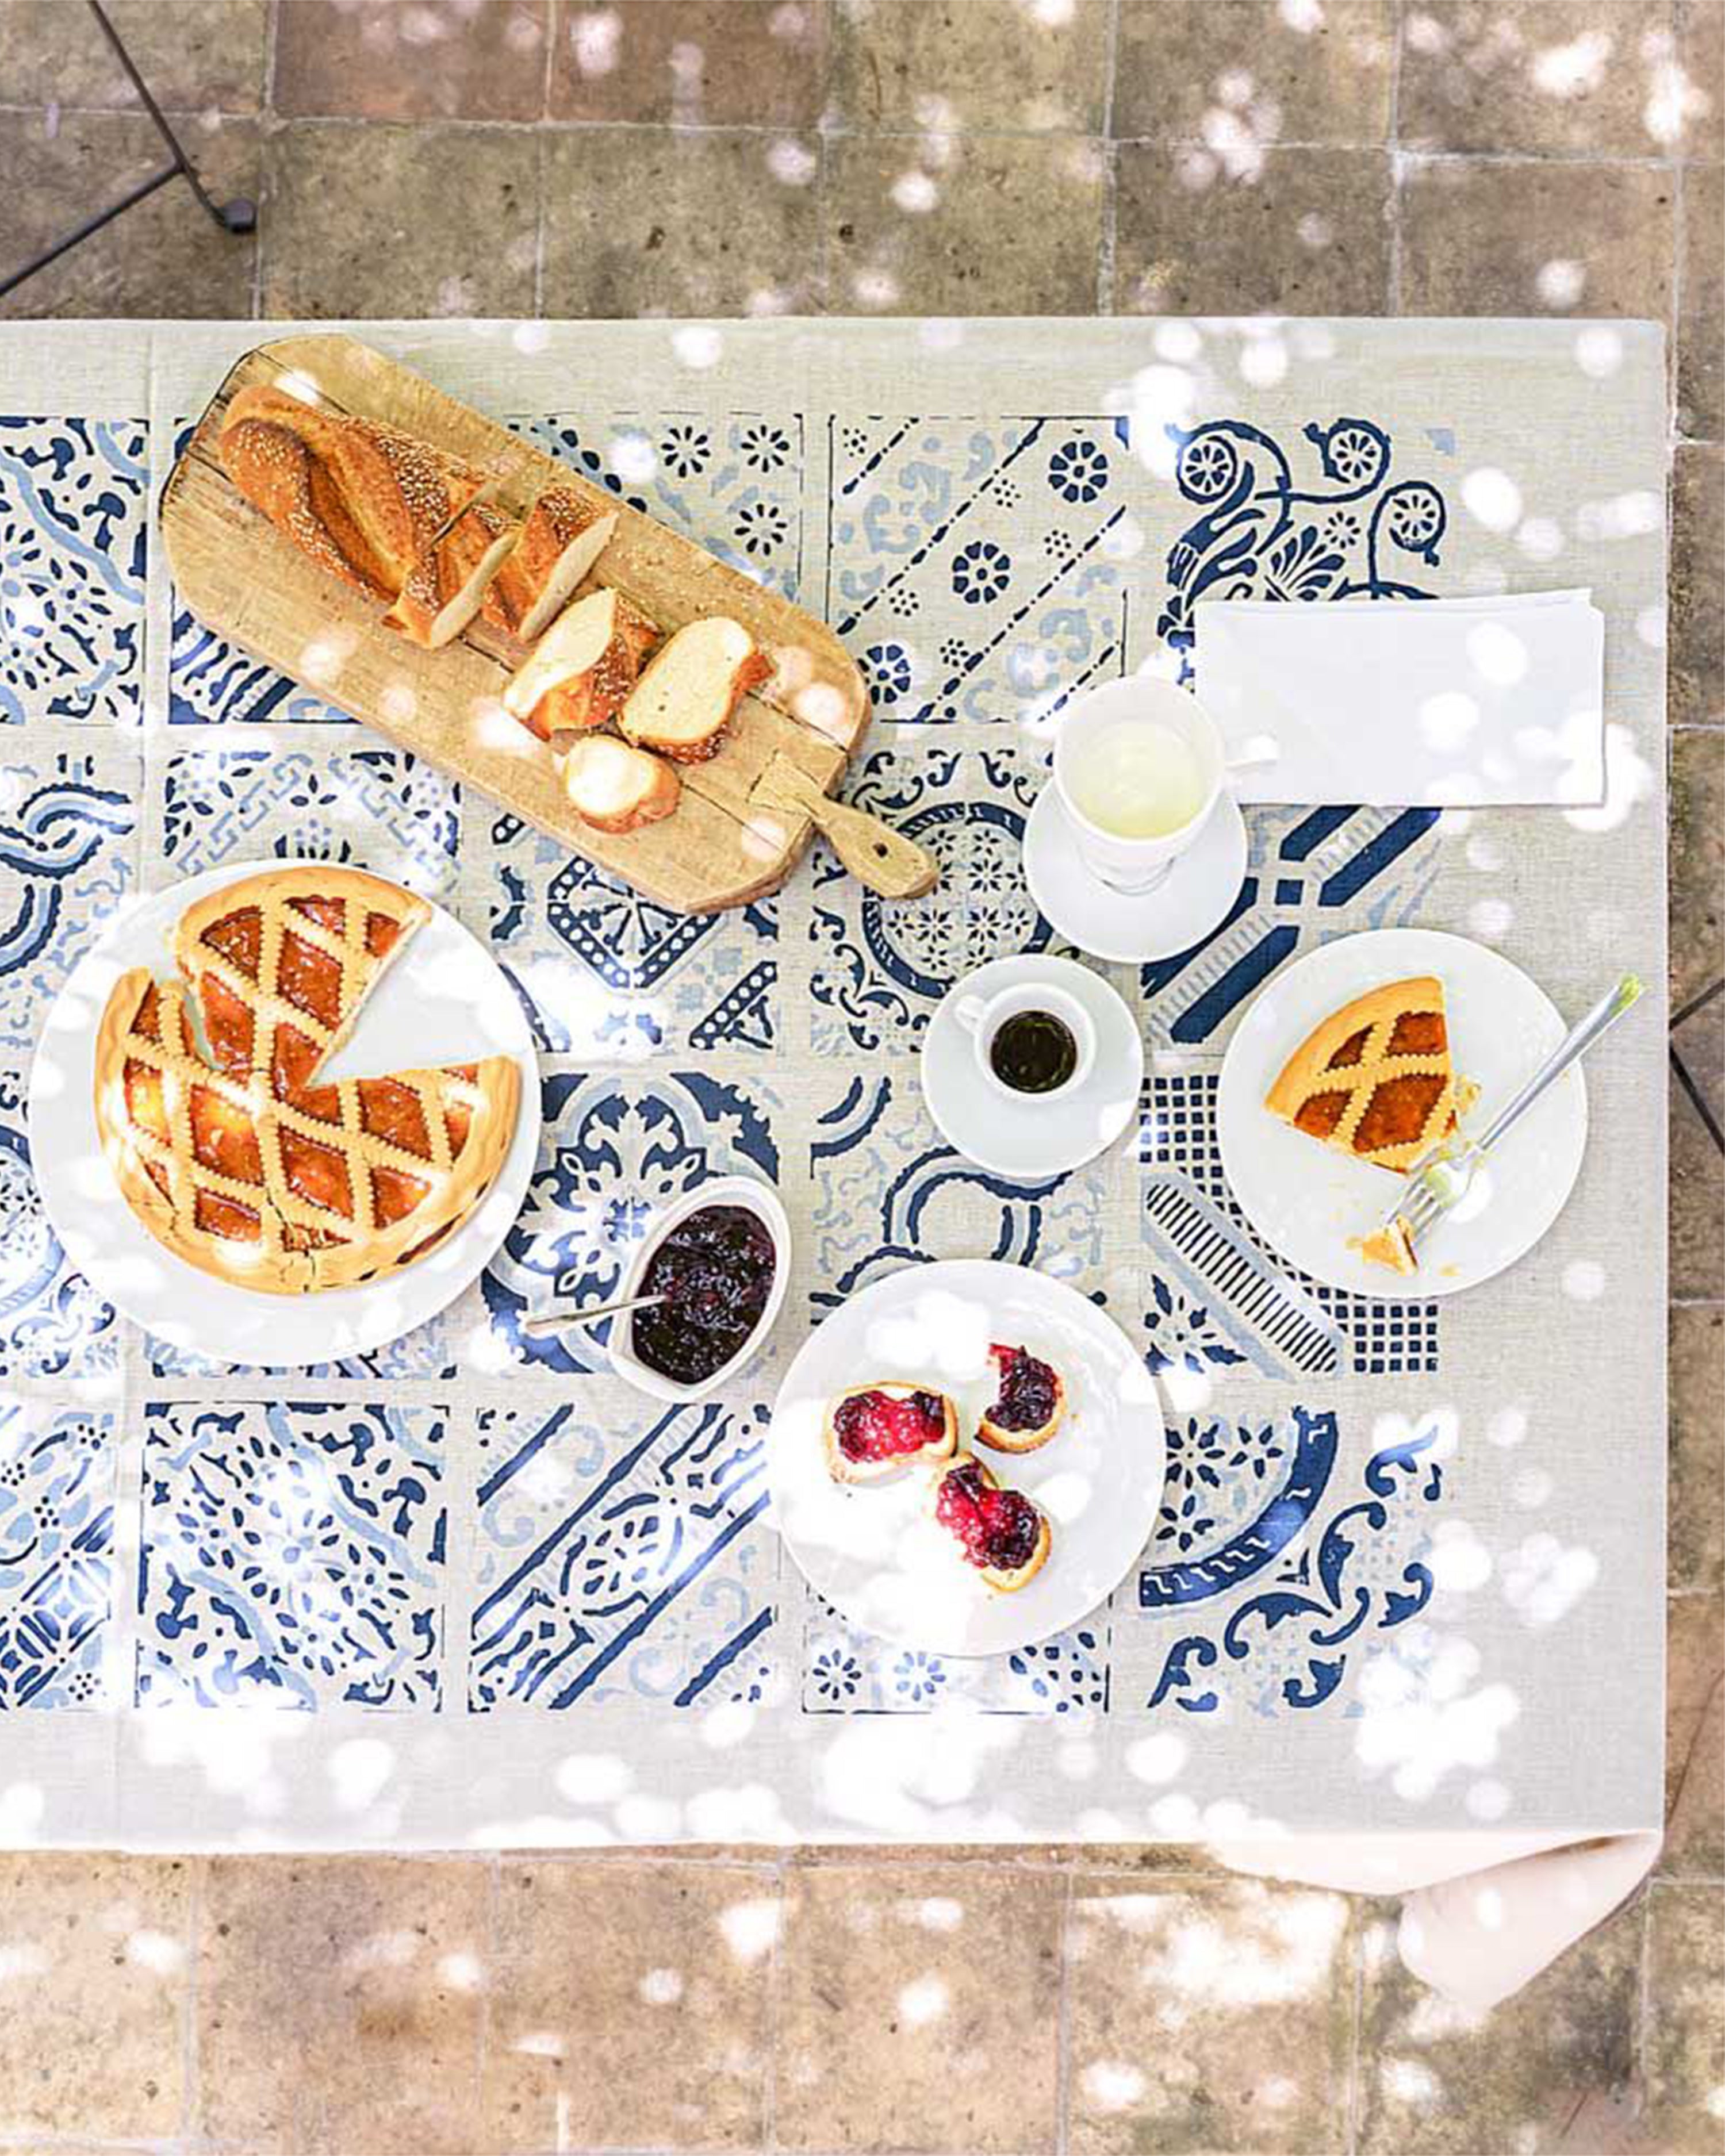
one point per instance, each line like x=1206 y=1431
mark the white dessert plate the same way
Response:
x=1194 y=899
x=1306 y=1199
x=443 y=1000
x=876 y=1553
x=1030 y=1139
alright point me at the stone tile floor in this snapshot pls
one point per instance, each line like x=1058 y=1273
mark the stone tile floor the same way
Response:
x=457 y=157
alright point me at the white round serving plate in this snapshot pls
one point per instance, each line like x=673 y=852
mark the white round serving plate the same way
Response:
x=875 y=1553
x=444 y=999
x=1193 y=900
x=1031 y=1137
x=1306 y=1199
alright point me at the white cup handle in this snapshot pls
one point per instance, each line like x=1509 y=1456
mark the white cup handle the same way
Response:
x=969 y=1011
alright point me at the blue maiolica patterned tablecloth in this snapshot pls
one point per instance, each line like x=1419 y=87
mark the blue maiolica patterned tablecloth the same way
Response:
x=472 y=1587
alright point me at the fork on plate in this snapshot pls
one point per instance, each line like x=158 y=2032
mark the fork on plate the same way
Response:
x=1442 y=1176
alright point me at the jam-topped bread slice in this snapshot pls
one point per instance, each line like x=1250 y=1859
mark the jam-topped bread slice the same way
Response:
x=874 y=1431
x=324 y=1187
x=281 y=963
x=1375 y=1079
x=1003 y=1533
x=1028 y=1401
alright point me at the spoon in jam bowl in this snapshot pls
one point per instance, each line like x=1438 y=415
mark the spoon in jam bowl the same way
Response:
x=559 y=1321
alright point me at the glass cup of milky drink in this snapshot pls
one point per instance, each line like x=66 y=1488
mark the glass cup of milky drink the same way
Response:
x=1138 y=767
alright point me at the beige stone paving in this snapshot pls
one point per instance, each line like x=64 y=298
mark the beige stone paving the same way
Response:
x=1551 y=156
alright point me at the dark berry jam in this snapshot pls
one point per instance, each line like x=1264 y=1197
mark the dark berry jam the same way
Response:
x=1029 y=1390
x=714 y=1270
x=878 y=1425
x=999 y=1529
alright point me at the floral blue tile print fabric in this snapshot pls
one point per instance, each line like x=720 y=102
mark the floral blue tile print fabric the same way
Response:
x=472 y=1587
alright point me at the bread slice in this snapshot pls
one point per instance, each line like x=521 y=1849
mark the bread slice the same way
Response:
x=615 y=787
x=562 y=537
x=982 y=1514
x=1030 y=1400
x=583 y=667
x=447 y=584
x=890 y=1416
x=683 y=701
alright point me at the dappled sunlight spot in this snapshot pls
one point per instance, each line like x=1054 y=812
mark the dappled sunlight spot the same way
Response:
x=1633 y=515
x=234 y=1752
x=1419 y=1722
x=596 y=40
x=661 y=1987
x=1674 y=98
x=323 y=656
x=1411 y=2081
x=1458 y=1561
x=1542 y=1580
x=749 y=1812
x=1560 y=281
x=1572 y=70
x=1263 y=1948
x=1263 y=362
x=1078 y=1760
x=1123 y=541
x=939 y=333
x=1497 y=652
x=539 y=2044
x=791 y=163
x=915 y=193
x=1507 y=1427
x=1302 y=17
x=1598 y=350
x=461 y=1972
x=1158 y=1759
x=643 y=1818
x=1629 y=779
x=359 y=1769
x=593 y=1778
x=632 y=458
x=1447 y=718
x=529 y=337
x=926 y=1998
x=1051 y=14
x=1492 y=498
x=698 y=345
x=1487 y=1799
x=1491 y=918
x=1532 y=1488
x=1584 y=1280
x=397 y=702
x=1650 y=627
x=1111 y=2086
x=1484 y=853
x=751 y=1928
x=875 y=287
x=728 y=1725
x=1540 y=538
x=383 y=1950
x=22 y=1960
x=939 y=1913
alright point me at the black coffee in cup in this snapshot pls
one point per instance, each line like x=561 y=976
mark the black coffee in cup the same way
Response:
x=1033 y=1051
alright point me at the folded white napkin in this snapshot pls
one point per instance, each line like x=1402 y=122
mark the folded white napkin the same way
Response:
x=1409 y=703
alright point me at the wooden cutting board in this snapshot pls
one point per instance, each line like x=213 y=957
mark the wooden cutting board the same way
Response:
x=732 y=838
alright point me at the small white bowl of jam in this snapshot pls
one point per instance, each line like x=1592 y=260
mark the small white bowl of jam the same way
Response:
x=722 y=1258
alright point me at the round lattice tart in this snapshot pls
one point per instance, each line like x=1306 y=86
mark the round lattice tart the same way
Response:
x=241 y=1161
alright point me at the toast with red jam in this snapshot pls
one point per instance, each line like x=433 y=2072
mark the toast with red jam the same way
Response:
x=874 y=1431
x=1003 y=1533
x=1030 y=1400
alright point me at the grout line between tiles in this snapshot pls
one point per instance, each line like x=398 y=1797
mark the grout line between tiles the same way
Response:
x=190 y=2104
x=1356 y=2048
x=1397 y=40
x=1106 y=248
x=775 y=2018
x=1063 y=2021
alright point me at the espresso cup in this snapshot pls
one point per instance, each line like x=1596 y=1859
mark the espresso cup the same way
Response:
x=1131 y=865
x=982 y=1017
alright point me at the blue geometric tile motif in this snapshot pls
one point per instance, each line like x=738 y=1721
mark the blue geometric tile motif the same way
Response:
x=56 y=1531
x=293 y=1554
x=72 y=522
x=428 y=1351
x=1177 y=1141
x=734 y=484
x=1237 y=1494
x=622 y=1562
x=602 y=970
x=1358 y=1576
x=889 y=1190
x=65 y=863
x=53 y=1323
x=975 y=567
x=1258 y=534
x=612 y=1153
x=846 y=1671
x=1312 y=872
x=380 y=807
x=880 y=965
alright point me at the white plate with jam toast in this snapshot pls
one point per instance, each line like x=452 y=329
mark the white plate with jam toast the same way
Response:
x=955 y=1498
x=1348 y=1063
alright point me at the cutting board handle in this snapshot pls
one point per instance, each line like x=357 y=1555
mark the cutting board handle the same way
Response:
x=876 y=855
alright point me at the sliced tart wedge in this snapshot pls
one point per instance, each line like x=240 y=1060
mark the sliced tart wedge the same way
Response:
x=1375 y=1079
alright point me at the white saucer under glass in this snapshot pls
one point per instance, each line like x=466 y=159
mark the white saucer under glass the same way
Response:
x=1030 y=1139
x=1193 y=898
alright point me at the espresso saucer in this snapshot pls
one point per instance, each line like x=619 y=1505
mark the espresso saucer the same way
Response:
x=1194 y=898
x=1027 y=1141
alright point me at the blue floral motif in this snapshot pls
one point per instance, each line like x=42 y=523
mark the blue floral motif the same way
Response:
x=56 y=1533
x=612 y=1153
x=763 y=448
x=845 y=1671
x=1250 y=540
x=980 y=571
x=1323 y=1599
x=73 y=495
x=1183 y=1334
x=687 y=450
x=66 y=831
x=1078 y=470
x=621 y=1552
x=293 y=1555
x=53 y=1323
x=886 y=667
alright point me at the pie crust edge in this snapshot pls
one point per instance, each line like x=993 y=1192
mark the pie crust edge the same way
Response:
x=1303 y=1073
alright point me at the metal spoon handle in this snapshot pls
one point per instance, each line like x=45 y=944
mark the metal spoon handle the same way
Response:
x=559 y=1321
x=1581 y=1037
